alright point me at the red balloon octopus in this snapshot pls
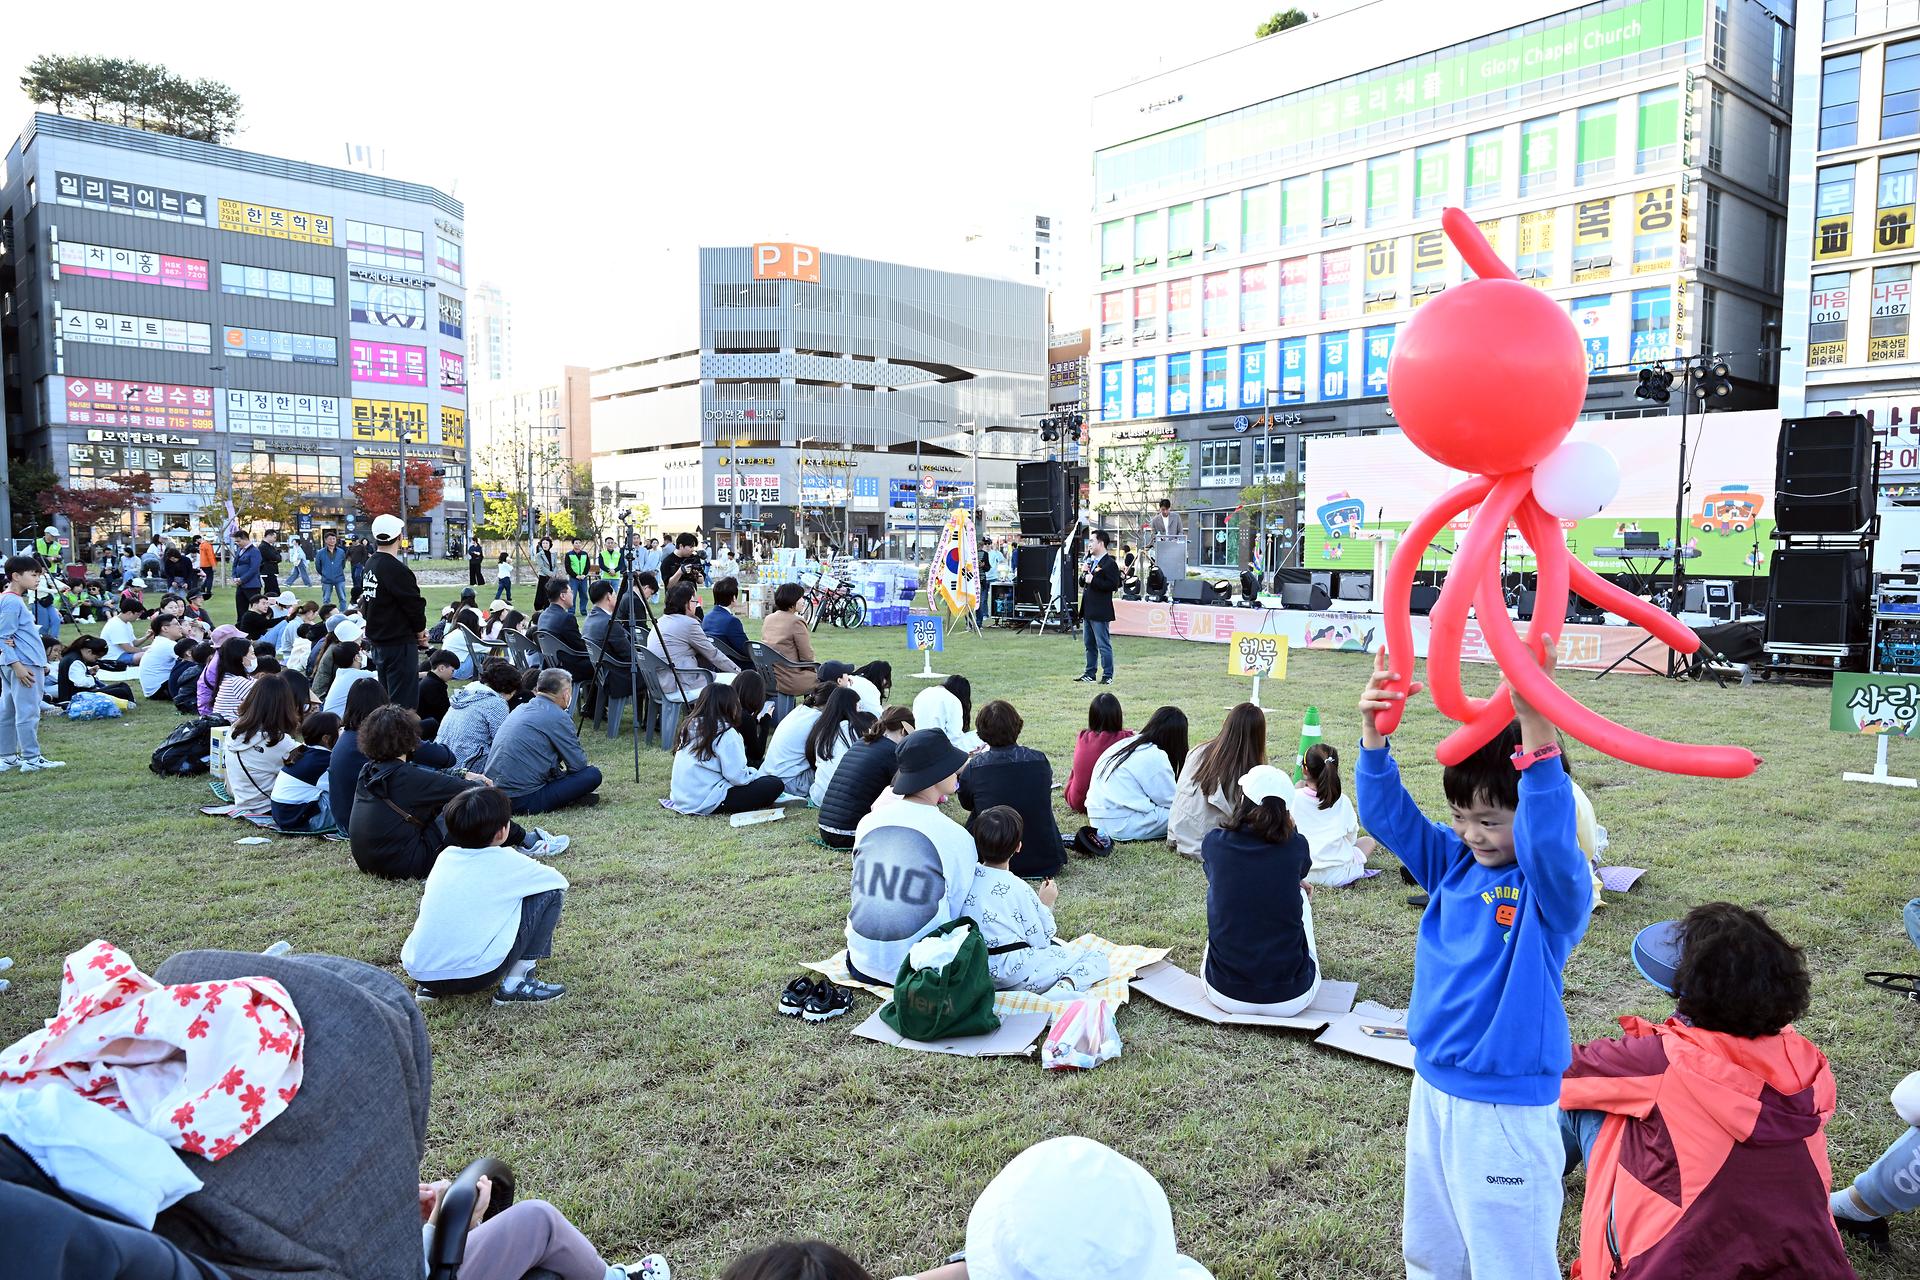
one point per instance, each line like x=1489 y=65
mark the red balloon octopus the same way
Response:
x=1500 y=425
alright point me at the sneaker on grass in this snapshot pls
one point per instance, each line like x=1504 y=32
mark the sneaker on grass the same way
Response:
x=38 y=764
x=544 y=844
x=528 y=990
x=651 y=1267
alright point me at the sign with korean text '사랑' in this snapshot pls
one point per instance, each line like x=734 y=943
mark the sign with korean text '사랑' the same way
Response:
x=1876 y=704
x=1251 y=653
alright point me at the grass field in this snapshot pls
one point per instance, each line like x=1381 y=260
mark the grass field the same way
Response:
x=664 y=1105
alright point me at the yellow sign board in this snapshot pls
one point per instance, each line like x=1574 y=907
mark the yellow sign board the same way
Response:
x=1832 y=237
x=1253 y=653
x=281 y=224
x=1893 y=348
x=384 y=419
x=453 y=427
x=1593 y=223
x=1893 y=229
x=1825 y=353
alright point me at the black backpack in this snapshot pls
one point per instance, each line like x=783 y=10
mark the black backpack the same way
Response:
x=185 y=750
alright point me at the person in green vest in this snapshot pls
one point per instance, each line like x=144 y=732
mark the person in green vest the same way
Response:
x=578 y=562
x=610 y=560
x=47 y=547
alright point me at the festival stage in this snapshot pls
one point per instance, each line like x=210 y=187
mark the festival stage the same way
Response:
x=1585 y=648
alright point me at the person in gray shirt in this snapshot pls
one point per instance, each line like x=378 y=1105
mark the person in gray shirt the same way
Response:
x=537 y=758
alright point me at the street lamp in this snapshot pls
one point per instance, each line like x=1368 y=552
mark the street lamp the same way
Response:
x=919 y=479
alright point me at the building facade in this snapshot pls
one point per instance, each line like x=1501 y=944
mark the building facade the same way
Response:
x=1851 y=245
x=491 y=334
x=822 y=397
x=529 y=440
x=207 y=315
x=1269 y=218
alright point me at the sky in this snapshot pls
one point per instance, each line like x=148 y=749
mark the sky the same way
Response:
x=878 y=129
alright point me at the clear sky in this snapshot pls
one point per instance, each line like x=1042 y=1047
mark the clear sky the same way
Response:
x=882 y=129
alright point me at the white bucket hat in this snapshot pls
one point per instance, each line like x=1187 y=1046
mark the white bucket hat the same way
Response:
x=1071 y=1209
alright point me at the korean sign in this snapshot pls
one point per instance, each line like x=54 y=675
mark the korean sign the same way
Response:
x=385 y=419
x=451 y=325
x=129 y=197
x=135 y=266
x=453 y=373
x=156 y=406
x=756 y=487
x=453 y=427
x=925 y=635
x=387 y=362
x=149 y=332
x=1254 y=654
x=280 y=224
x=284 y=413
x=1875 y=704
x=272 y=344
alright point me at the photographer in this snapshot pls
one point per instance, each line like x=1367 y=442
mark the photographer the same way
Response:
x=683 y=563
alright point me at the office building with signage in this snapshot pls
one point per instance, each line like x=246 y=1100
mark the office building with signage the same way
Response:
x=208 y=315
x=1267 y=220
x=822 y=398
x=1851 y=245
x=528 y=439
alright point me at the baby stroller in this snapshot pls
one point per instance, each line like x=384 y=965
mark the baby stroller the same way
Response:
x=326 y=1191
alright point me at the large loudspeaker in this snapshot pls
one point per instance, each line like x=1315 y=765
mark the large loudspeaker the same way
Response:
x=1041 y=488
x=1304 y=595
x=1823 y=477
x=1818 y=597
x=1195 y=591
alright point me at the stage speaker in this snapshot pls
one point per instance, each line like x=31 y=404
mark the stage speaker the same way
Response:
x=1523 y=608
x=1195 y=591
x=1041 y=490
x=1421 y=600
x=1323 y=579
x=1303 y=595
x=1823 y=476
x=1356 y=585
x=1818 y=597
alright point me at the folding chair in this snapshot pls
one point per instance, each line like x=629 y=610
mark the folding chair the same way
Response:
x=609 y=709
x=768 y=661
x=520 y=653
x=553 y=649
x=661 y=679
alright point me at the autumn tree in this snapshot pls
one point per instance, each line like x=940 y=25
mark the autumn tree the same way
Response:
x=272 y=500
x=100 y=503
x=379 y=493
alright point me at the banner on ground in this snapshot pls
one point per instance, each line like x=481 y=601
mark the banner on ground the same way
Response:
x=954 y=576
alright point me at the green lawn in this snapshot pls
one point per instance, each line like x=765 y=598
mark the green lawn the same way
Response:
x=665 y=1106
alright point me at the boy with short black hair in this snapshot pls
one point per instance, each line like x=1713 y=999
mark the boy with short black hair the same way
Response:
x=434 y=694
x=1016 y=920
x=1510 y=896
x=24 y=655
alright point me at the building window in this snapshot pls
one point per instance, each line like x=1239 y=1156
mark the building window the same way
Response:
x=1218 y=544
x=373 y=245
x=1829 y=308
x=1430 y=177
x=1146 y=313
x=1216 y=304
x=1539 y=155
x=1269 y=459
x=1113 y=313
x=1336 y=197
x=1483 y=167
x=1839 y=101
x=1147 y=244
x=1777 y=64
x=1113 y=248
x=1833 y=213
x=1709 y=304
x=1594 y=143
x=1710 y=232
x=1840 y=20
x=1892 y=314
x=284 y=286
x=1900 y=92
x=1716 y=125
x=1299 y=209
x=1659 y=139
x=1222 y=231
x=1776 y=252
x=1183 y=224
x=1893 y=214
x=1256 y=218
x=1776 y=160
x=1220 y=464
x=1383 y=191
x=446 y=260
x=1652 y=325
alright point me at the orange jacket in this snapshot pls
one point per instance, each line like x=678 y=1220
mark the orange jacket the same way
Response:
x=1712 y=1161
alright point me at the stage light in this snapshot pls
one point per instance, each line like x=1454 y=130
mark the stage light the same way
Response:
x=1655 y=381
x=1713 y=384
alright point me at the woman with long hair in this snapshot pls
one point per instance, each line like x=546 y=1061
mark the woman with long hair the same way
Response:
x=1261 y=957
x=264 y=733
x=1131 y=796
x=1209 y=787
x=237 y=663
x=1326 y=818
x=839 y=727
x=710 y=769
x=756 y=717
x=1104 y=728
x=863 y=777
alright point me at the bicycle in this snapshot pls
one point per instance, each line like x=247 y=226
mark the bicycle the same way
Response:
x=838 y=604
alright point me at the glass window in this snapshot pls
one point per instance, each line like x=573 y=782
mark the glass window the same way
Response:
x=1840 y=19
x=1654 y=234
x=1299 y=209
x=1776 y=159
x=1709 y=312
x=1829 y=308
x=1539 y=155
x=1213 y=379
x=1336 y=197
x=1218 y=542
x=1893 y=212
x=1180 y=308
x=1659 y=138
x=1180 y=383
x=1652 y=325
x=1833 y=213
x=1147 y=244
x=1720 y=34
x=1222 y=232
x=1336 y=284
x=1256 y=218
x=1113 y=318
x=1256 y=297
x=1483 y=167
x=1777 y=62
x=1900 y=93
x=1597 y=135
x=1710 y=232
x=1716 y=125
x=1146 y=313
x=1220 y=464
x=1383 y=191
x=1534 y=261
x=1269 y=458
x=1888 y=322
x=1113 y=248
x=374 y=245
x=1430 y=177
x=1839 y=101
x=446 y=261
x=285 y=286
x=1216 y=303
x=1183 y=228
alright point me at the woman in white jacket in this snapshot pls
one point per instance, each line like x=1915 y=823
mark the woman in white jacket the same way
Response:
x=836 y=732
x=1131 y=796
x=944 y=707
x=1326 y=818
x=710 y=769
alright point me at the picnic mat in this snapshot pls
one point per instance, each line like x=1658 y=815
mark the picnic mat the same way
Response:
x=1122 y=963
x=1619 y=879
x=1174 y=987
x=1014 y=1039
x=1346 y=1035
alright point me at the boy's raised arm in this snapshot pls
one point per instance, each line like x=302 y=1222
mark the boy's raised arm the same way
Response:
x=1385 y=807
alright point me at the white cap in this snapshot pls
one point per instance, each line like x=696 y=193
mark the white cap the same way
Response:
x=387 y=528
x=1069 y=1208
x=51 y=532
x=138 y=584
x=286 y=600
x=348 y=630
x=499 y=606
x=1264 y=782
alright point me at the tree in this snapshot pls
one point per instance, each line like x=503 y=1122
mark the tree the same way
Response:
x=28 y=484
x=1134 y=477
x=1282 y=20
x=1262 y=506
x=379 y=493
x=501 y=518
x=101 y=502
x=272 y=500
x=139 y=95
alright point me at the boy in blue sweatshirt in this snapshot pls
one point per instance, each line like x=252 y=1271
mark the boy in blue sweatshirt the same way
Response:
x=1510 y=896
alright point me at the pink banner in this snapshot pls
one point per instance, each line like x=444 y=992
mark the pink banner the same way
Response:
x=132 y=266
x=160 y=406
x=453 y=373
x=387 y=362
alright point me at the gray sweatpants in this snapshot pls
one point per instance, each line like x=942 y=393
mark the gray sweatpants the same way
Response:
x=20 y=714
x=1483 y=1189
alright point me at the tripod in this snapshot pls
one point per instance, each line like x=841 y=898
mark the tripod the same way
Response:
x=625 y=601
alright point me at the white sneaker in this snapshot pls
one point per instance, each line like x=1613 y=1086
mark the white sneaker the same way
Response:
x=546 y=844
x=9 y=763
x=36 y=764
x=651 y=1267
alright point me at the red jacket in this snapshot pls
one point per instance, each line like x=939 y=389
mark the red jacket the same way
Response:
x=1086 y=749
x=1712 y=1161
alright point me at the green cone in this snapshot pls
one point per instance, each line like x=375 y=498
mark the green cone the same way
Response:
x=1309 y=734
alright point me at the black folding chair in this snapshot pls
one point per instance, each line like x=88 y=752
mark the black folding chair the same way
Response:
x=553 y=650
x=768 y=661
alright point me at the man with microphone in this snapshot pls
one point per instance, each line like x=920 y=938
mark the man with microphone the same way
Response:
x=1099 y=579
